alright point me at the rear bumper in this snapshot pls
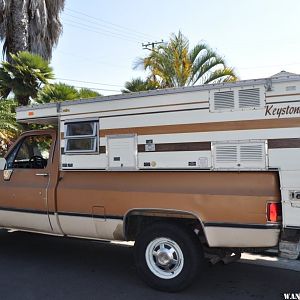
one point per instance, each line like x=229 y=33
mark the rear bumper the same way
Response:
x=242 y=235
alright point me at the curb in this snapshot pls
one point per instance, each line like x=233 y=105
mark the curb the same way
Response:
x=270 y=261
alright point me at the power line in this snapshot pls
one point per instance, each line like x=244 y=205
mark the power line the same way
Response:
x=97 y=89
x=106 y=90
x=101 y=26
x=103 y=30
x=89 y=82
x=110 y=23
x=83 y=26
x=91 y=60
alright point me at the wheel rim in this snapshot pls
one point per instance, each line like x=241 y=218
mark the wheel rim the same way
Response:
x=164 y=258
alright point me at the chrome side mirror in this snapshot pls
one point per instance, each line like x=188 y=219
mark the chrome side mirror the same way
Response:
x=2 y=164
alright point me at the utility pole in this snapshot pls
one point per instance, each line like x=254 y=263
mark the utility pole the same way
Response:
x=152 y=44
x=146 y=47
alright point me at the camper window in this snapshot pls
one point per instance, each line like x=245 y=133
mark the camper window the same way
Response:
x=81 y=137
x=80 y=129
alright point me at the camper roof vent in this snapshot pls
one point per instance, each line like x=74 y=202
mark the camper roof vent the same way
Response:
x=249 y=98
x=224 y=100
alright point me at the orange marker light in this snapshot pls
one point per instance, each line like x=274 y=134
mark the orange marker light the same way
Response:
x=31 y=113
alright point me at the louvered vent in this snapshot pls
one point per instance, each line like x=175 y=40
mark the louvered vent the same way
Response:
x=251 y=153
x=223 y=100
x=239 y=155
x=249 y=98
x=226 y=154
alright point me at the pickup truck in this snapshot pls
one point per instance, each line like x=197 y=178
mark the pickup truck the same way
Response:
x=188 y=174
x=158 y=210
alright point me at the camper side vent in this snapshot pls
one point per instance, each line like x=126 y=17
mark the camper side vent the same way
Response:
x=249 y=98
x=226 y=154
x=252 y=153
x=223 y=100
x=239 y=155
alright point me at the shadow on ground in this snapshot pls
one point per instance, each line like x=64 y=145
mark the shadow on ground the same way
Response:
x=43 y=267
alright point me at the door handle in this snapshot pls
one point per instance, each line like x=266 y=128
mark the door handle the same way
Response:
x=295 y=204
x=42 y=174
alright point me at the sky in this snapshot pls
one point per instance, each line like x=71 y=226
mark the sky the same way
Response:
x=102 y=40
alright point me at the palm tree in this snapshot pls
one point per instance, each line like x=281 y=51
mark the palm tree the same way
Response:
x=24 y=76
x=139 y=85
x=174 y=64
x=30 y=25
x=8 y=125
x=85 y=93
x=61 y=92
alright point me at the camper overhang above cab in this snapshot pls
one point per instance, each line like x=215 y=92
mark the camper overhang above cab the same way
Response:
x=45 y=114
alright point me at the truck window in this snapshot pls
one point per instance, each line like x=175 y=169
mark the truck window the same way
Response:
x=81 y=137
x=31 y=153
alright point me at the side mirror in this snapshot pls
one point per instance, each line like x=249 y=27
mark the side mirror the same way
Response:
x=2 y=164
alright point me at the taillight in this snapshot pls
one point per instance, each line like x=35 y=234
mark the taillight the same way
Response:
x=274 y=212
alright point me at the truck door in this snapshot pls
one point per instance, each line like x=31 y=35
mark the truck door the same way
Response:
x=24 y=186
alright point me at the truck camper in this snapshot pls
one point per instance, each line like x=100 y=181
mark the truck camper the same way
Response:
x=186 y=173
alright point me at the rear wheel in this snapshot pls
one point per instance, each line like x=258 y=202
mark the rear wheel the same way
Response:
x=168 y=256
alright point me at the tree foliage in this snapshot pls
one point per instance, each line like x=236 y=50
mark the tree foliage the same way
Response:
x=139 y=85
x=30 y=25
x=85 y=93
x=174 y=64
x=24 y=76
x=58 y=92
x=8 y=125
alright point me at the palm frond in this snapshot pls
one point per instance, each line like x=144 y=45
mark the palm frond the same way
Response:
x=41 y=30
x=57 y=92
x=222 y=75
x=24 y=76
x=85 y=93
x=139 y=85
x=173 y=64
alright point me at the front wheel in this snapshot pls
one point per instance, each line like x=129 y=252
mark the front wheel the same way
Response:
x=168 y=256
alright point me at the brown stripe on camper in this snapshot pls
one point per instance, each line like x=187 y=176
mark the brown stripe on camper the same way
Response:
x=143 y=107
x=206 y=127
x=204 y=146
x=284 y=143
x=282 y=95
x=165 y=147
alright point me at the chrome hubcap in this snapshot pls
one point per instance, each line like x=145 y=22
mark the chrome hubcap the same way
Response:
x=164 y=258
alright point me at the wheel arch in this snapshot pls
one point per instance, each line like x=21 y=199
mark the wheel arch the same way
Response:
x=135 y=219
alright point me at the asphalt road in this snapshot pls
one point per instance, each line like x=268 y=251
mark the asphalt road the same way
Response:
x=42 y=267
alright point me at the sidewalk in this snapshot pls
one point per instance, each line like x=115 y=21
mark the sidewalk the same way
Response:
x=270 y=261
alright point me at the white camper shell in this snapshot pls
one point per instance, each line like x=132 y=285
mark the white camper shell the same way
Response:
x=241 y=126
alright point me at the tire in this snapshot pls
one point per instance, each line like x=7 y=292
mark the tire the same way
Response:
x=168 y=256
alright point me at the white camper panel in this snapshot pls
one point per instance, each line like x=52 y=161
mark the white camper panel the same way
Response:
x=122 y=152
x=242 y=126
